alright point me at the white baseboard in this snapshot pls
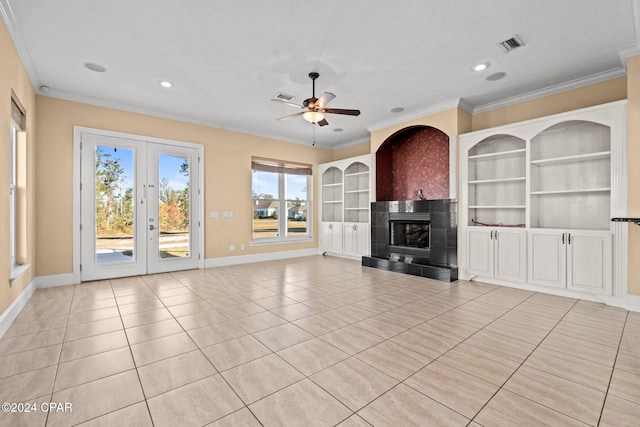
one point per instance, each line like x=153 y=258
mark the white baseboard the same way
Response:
x=55 y=280
x=269 y=256
x=632 y=302
x=10 y=314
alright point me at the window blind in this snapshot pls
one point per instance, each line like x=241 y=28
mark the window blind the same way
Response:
x=279 y=166
x=17 y=115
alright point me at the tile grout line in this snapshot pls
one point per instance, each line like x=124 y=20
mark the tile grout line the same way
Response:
x=524 y=361
x=373 y=314
x=135 y=366
x=500 y=387
x=55 y=377
x=207 y=359
x=613 y=368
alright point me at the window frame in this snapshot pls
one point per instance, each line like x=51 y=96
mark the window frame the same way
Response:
x=281 y=168
x=13 y=186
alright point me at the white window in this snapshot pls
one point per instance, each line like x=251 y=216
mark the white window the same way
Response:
x=281 y=201
x=17 y=184
x=13 y=137
x=17 y=125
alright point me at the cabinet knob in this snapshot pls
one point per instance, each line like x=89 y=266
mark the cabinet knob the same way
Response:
x=563 y=238
x=569 y=238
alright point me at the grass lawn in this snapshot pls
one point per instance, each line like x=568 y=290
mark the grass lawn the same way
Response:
x=268 y=227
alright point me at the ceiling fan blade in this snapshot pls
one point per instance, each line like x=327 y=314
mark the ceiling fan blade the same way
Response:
x=323 y=122
x=341 y=111
x=280 y=101
x=324 y=99
x=291 y=115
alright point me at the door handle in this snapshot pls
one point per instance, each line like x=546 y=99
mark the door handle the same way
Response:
x=569 y=238
x=563 y=238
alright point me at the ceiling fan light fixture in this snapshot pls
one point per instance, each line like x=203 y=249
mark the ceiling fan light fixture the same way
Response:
x=313 y=116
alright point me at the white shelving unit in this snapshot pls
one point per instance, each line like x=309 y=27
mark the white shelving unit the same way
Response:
x=537 y=199
x=496 y=181
x=346 y=206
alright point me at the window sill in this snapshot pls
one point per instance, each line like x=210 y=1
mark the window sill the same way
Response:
x=267 y=242
x=17 y=271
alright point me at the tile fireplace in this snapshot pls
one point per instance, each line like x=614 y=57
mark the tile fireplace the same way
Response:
x=416 y=237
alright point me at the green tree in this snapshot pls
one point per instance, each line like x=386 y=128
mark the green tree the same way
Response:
x=109 y=177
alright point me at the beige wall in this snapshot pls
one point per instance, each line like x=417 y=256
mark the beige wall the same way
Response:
x=586 y=96
x=633 y=166
x=226 y=167
x=13 y=77
x=446 y=121
x=353 y=151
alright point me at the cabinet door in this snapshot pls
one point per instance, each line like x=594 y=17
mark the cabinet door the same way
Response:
x=480 y=252
x=362 y=239
x=349 y=242
x=355 y=239
x=331 y=237
x=510 y=247
x=547 y=258
x=589 y=262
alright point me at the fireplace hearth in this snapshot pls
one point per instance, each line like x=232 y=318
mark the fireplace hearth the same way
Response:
x=416 y=237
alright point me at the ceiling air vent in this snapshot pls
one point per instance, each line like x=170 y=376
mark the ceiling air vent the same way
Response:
x=511 y=44
x=284 y=97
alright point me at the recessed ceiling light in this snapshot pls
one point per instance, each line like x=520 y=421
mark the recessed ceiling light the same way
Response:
x=338 y=130
x=95 y=67
x=397 y=110
x=480 y=67
x=166 y=83
x=496 y=76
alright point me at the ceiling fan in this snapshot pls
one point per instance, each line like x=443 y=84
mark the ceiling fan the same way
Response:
x=313 y=109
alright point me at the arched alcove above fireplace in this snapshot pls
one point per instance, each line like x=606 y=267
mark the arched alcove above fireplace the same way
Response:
x=412 y=159
x=414 y=220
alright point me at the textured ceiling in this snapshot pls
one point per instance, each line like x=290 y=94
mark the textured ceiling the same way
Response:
x=227 y=59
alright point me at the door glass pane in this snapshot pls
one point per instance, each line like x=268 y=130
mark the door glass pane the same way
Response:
x=174 y=195
x=265 y=199
x=297 y=204
x=114 y=204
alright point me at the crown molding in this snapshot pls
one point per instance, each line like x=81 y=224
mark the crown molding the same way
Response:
x=552 y=90
x=352 y=143
x=55 y=94
x=633 y=50
x=416 y=114
x=13 y=29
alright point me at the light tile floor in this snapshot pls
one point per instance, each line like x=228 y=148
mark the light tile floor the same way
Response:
x=317 y=341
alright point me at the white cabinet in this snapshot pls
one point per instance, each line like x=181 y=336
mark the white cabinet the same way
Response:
x=497 y=252
x=548 y=187
x=330 y=237
x=573 y=259
x=355 y=239
x=345 y=206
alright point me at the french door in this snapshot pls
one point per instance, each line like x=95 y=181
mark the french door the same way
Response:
x=139 y=207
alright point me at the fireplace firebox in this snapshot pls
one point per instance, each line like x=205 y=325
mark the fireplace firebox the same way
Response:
x=410 y=236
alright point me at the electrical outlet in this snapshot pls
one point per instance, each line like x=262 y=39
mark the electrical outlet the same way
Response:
x=243 y=247
x=232 y=247
x=214 y=214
